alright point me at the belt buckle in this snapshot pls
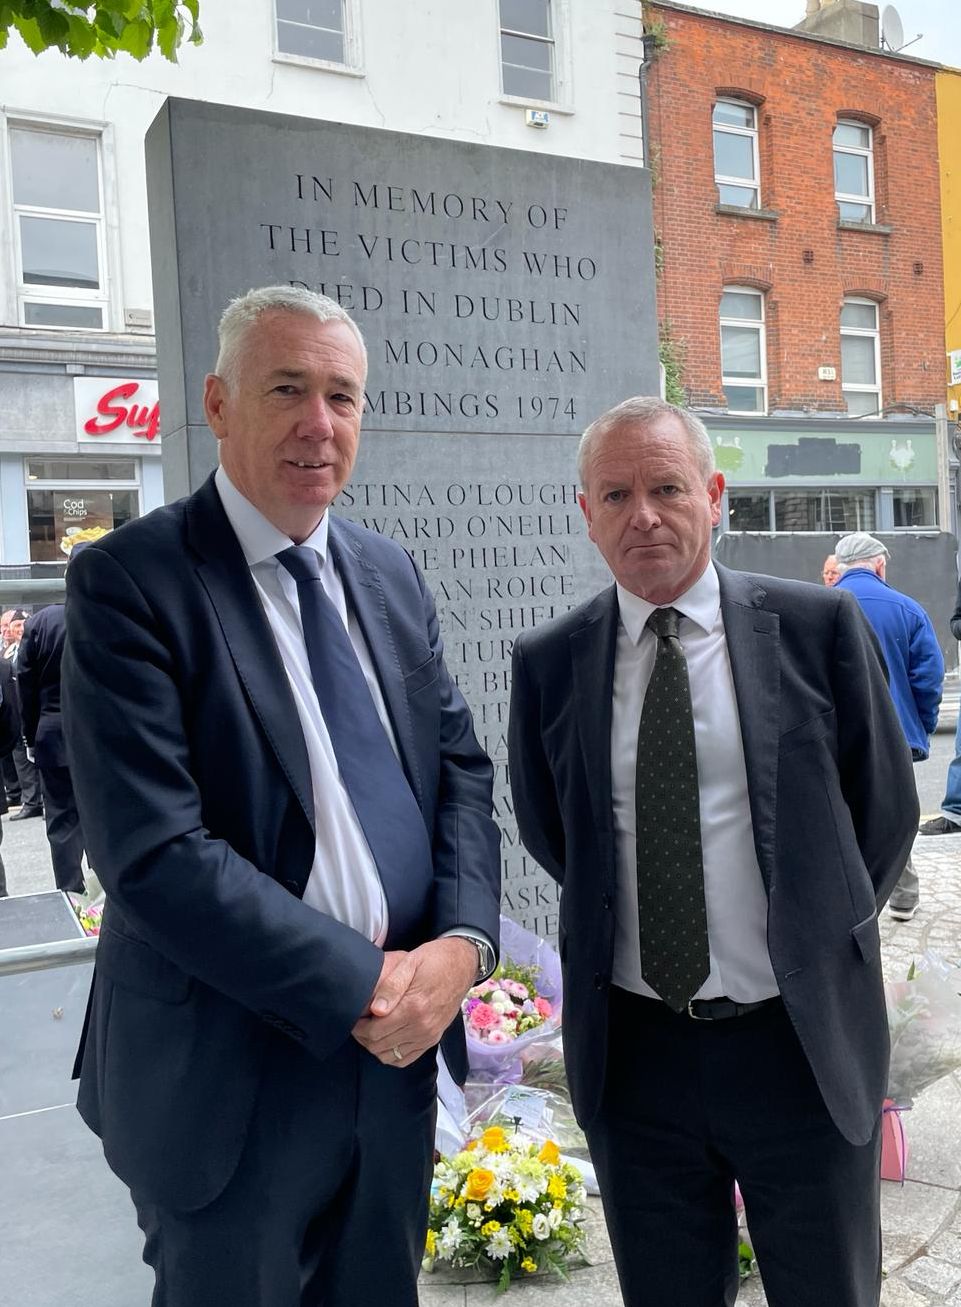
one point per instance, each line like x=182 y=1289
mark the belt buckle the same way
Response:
x=692 y=1014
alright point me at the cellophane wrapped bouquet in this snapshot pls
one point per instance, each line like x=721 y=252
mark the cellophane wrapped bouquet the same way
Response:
x=924 y=1016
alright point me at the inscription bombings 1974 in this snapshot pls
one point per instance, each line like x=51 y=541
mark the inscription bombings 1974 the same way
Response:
x=498 y=557
x=472 y=375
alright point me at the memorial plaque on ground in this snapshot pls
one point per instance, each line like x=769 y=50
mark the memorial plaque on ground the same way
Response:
x=506 y=298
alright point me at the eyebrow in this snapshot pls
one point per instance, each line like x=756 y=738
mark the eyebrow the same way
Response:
x=341 y=381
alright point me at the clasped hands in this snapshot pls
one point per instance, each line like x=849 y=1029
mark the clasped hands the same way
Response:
x=416 y=998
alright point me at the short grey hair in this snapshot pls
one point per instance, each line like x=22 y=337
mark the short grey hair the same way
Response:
x=644 y=409
x=244 y=311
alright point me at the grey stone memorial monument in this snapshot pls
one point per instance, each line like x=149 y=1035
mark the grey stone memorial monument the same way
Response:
x=506 y=297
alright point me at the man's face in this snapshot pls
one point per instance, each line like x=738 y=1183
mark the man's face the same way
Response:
x=16 y=631
x=829 y=572
x=649 y=508
x=289 y=424
x=5 y=628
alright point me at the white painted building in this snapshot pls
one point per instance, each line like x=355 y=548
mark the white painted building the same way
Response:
x=79 y=447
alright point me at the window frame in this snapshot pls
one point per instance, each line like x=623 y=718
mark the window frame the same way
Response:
x=352 y=65
x=844 y=197
x=562 y=78
x=132 y=484
x=733 y=130
x=65 y=296
x=863 y=332
x=809 y=491
x=761 y=325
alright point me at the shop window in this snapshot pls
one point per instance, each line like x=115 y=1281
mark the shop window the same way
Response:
x=915 y=506
x=317 y=31
x=58 y=228
x=528 y=65
x=736 y=165
x=743 y=363
x=749 y=512
x=860 y=357
x=76 y=499
x=824 y=510
x=854 y=171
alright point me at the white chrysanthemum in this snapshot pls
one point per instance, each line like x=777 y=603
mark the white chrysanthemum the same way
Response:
x=528 y=1190
x=450 y=1238
x=502 y=1002
x=542 y=1227
x=499 y=1246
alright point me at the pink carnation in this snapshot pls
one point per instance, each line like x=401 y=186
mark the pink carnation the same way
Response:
x=544 y=1008
x=499 y=1037
x=483 y=1017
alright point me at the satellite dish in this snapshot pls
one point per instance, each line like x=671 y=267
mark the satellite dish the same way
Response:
x=892 y=33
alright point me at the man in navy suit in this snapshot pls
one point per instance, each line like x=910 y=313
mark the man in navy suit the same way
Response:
x=710 y=764
x=271 y=985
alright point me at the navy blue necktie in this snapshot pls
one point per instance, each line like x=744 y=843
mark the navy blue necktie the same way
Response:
x=383 y=800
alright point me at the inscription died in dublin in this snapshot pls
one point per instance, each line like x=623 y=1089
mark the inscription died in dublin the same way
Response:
x=506 y=298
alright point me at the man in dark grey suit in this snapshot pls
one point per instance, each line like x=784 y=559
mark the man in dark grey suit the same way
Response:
x=285 y=801
x=710 y=764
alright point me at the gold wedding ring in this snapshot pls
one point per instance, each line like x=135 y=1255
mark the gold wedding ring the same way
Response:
x=397 y=1053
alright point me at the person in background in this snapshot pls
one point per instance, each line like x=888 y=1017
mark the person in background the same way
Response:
x=31 y=796
x=914 y=662
x=38 y=684
x=710 y=765
x=829 y=572
x=9 y=737
x=948 y=822
x=8 y=768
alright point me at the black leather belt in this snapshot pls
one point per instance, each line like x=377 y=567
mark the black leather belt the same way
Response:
x=720 y=1009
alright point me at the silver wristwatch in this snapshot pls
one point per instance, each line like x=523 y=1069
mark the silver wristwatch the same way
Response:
x=485 y=958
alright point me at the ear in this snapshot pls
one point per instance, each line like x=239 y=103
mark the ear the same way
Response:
x=215 y=404
x=715 y=490
x=585 y=504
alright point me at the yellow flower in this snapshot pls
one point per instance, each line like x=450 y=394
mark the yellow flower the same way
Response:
x=478 y=1184
x=529 y=1265
x=490 y=1228
x=431 y=1243
x=471 y=1145
x=494 y=1139
x=511 y=1195
x=550 y=1153
x=524 y=1220
x=556 y=1187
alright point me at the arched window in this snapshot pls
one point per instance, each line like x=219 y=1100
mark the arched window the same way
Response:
x=860 y=357
x=854 y=171
x=736 y=166
x=743 y=352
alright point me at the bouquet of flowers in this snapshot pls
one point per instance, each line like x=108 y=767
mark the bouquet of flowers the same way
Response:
x=520 y=1005
x=505 y=1204
x=89 y=915
x=924 y=1016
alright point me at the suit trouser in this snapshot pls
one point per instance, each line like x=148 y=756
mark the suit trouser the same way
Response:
x=29 y=777
x=11 y=780
x=691 y=1106
x=63 y=827
x=328 y=1205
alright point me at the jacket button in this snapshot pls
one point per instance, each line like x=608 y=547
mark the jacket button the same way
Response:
x=599 y=980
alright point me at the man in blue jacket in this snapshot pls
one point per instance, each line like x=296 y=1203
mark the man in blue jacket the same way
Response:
x=913 y=656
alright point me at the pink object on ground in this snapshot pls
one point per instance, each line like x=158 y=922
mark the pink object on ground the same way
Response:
x=894 y=1143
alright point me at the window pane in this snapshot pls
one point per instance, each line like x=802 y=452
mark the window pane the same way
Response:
x=914 y=506
x=741 y=352
x=52 y=514
x=310 y=42
x=741 y=304
x=861 y=403
x=858 y=361
x=852 y=134
x=55 y=172
x=749 y=512
x=848 y=212
x=864 y=316
x=57 y=252
x=739 y=197
x=744 y=399
x=850 y=174
x=818 y=510
x=733 y=155
x=62 y=315
x=738 y=115
x=797 y=511
x=81 y=469
x=523 y=53
x=316 y=13
x=532 y=16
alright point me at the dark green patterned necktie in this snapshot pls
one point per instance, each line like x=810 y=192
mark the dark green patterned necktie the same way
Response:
x=675 y=958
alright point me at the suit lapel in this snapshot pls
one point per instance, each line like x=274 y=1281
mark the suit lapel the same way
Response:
x=224 y=574
x=752 y=635
x=592 y=655
x=366 y=598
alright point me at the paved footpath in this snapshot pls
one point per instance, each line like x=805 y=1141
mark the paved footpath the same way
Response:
x=921 y=1220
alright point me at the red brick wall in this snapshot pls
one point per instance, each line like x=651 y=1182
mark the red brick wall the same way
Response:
x=806 y=86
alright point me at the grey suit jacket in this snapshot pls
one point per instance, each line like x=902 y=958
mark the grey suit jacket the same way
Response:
x=833 y=805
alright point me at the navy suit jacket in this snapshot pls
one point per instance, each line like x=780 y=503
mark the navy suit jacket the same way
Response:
x=833 y=805
x=38 y=684
x=193 y=785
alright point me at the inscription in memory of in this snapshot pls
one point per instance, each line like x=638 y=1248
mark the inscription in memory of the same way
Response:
x=506 y=298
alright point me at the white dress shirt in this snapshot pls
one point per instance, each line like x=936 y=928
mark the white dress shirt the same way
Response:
x=344 y=881
x=733 y=889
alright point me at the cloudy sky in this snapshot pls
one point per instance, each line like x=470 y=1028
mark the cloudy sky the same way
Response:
x=938 y=21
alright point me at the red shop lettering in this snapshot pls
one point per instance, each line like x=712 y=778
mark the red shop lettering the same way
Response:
x=143 y=420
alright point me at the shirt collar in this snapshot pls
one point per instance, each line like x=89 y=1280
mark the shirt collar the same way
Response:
x=701 y=603
x=259 y=538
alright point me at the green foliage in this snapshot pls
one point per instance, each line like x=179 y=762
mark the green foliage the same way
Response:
x=671 y=354
x=79 y=28
x=656 y=30
x=746 y=1264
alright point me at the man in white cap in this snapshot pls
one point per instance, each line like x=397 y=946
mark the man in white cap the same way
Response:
x=914 y=662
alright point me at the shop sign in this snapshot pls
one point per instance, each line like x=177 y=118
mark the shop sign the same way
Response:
x=110 y=411
x=755 y=455
x=954 y=367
